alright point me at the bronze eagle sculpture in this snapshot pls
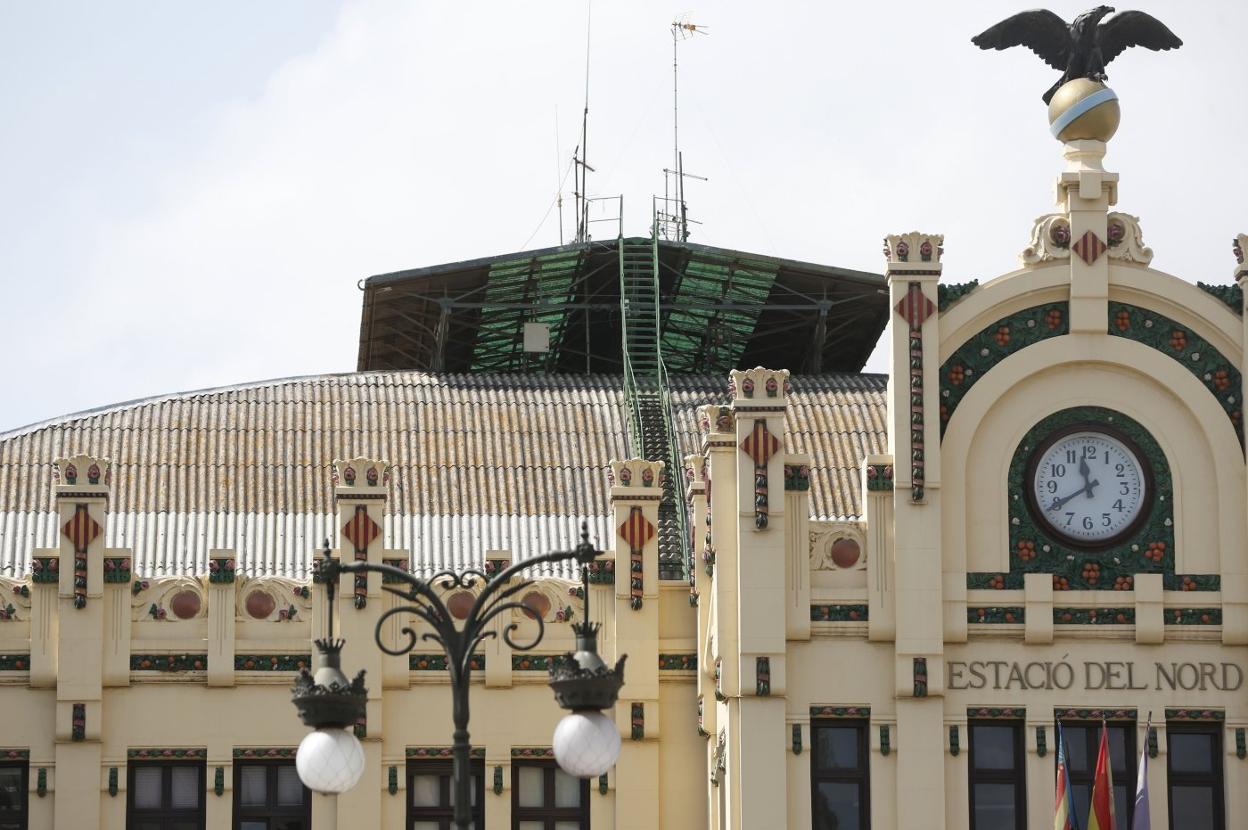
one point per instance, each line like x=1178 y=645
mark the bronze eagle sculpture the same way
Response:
x=1083 y=48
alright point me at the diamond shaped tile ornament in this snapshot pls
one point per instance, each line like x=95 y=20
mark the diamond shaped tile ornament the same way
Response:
x=81 y=530
x=1089 y=247
x=915 y=308
x=636 y=531
x=360 y=531
x=760 y=445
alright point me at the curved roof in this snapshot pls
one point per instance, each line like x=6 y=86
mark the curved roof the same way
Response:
x=480 y=462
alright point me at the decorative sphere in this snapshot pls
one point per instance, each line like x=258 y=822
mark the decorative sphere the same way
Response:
x=1084 y=109
x=330 y=760
x=586 y=744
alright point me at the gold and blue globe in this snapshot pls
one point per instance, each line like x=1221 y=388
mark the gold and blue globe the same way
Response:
x=1084 y=109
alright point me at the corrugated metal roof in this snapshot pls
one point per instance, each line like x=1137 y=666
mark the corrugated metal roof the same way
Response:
x=480 y=462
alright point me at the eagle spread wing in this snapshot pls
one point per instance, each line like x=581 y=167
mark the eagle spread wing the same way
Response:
x=1039 y=30
x=1134 y=29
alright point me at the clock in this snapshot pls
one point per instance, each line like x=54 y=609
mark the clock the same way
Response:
x=1089 y=486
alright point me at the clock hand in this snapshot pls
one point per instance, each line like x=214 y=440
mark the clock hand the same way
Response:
x=1059 y=502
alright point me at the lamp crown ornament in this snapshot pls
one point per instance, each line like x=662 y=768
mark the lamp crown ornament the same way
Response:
x=327 y=699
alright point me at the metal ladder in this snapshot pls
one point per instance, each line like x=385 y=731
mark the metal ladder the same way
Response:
x=648 y=396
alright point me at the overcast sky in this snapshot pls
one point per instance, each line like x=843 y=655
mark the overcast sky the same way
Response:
x=190 y=192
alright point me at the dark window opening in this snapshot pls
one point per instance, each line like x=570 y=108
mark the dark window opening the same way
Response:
x=840 y=787
x=997 y=776
x=544 y=797
x=431 y=795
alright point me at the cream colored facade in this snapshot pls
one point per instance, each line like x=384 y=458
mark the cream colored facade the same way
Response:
x=928 y=611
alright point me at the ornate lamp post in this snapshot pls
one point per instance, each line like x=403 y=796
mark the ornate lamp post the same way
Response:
x=586 y=742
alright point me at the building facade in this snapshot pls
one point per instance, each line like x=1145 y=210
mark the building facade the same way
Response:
x=887 y=591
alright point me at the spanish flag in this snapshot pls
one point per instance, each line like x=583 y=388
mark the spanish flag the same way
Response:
x=1101 y=813
x=1065 y=819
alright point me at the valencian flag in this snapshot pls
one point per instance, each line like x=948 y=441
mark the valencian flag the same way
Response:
x=1064 y=809
x=1101 y=812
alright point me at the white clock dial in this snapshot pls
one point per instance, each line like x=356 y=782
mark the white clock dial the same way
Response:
x=1089 y=487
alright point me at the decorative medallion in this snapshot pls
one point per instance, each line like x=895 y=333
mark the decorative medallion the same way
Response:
x=1089 y=247
x=760 y=445
x=636 y=531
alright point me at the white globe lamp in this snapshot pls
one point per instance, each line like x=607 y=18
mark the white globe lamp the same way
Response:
x=330 y=760
x=586 y=744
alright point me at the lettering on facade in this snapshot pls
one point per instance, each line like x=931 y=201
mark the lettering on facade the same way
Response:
x=1094 y=675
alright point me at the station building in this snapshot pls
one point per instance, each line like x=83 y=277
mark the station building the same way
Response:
x=847 y=600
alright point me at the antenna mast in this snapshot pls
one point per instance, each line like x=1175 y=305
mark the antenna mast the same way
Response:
x=579 y=155
x=673 y=216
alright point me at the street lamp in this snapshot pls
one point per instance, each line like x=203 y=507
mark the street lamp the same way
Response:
x=586 y=742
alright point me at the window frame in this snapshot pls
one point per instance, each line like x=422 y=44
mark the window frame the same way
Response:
x=444 y=814
x=270 y=809
x=1216 y=778
x=166 y=814
x=23 y=815
x=1092 y=745
x=861 y=775
x=548 y=815
x=1016 y=777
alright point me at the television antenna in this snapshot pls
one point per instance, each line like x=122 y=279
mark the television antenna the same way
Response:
x=673 y=216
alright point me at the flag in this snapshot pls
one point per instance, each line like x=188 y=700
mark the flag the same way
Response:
x=1140 y=813
x=1101 y=810
x=1065 y=813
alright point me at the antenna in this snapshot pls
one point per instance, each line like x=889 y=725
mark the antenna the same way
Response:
x=673 y=219
x=559 y=178
x=579 y=155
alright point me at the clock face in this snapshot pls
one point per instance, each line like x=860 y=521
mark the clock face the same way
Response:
x=1089 y=486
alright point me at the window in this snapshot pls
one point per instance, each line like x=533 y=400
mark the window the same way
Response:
x=165 y=796
x=998 y=787
x=840 y=790
x=1083 y=741
x=13 y=788
x=268 y=795
x=1194 y=765
x=544 y=797
x=431 y=795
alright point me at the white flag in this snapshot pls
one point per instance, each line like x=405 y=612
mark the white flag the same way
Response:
x=1140 y=814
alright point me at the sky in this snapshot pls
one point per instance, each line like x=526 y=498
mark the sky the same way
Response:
x=190 y=193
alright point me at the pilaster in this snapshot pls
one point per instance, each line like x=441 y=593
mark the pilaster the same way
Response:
x=797 y=546
x=914 y=270
x=877 y=502
x=760 y=401
x=1234 y=568
x=636 y=487
x=360 y=490
x=221 y=616
x=82 y=506
x=118 y=576
x=1086 y=191
x=497 y=652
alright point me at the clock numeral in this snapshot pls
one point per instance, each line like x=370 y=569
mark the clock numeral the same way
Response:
x=1087 y=522
x=1117 y=506
x=1051 y=486
x=1059 y=470
x=1120 y=471
x=1070 y=457
x=1105 y=520
x=1069 y=517
x=1089 y=451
